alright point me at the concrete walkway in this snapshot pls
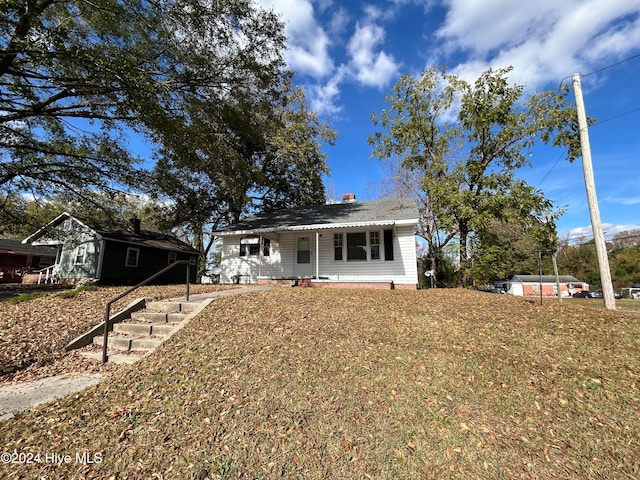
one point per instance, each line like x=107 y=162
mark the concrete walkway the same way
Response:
x=22 y=396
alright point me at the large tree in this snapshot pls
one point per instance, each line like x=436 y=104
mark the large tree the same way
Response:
x=74 y=74
x=470 y=140
x=248 y=153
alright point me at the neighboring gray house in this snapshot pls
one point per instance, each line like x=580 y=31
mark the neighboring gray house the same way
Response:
x=348 y=243
x=112 y=256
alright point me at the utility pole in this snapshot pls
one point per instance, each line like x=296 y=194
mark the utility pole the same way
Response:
x=554 y=256
x=592 y=199
x=540 y=273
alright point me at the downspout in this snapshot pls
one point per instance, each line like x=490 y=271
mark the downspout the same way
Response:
x=261 y=255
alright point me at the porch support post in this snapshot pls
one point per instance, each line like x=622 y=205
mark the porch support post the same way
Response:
x=260 y=256
x=317 y=256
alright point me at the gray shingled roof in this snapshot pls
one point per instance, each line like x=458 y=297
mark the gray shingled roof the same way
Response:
x=16 y=246
x=142 y=238
x=147 y=238
x=378 y=212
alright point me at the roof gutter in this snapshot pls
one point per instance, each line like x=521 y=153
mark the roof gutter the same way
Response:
x=317 y=226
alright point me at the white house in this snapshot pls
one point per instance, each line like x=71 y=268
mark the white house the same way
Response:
x=349 y=243
x=533 y=285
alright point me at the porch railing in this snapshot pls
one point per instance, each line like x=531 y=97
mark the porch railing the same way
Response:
x=107 y=312
x=50 y=274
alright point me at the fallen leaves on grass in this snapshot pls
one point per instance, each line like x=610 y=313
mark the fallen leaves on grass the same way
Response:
x=33 y=333
x=308 y=383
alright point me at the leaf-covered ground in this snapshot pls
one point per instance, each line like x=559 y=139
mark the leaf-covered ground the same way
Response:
x=316 y=384
x=33 y=333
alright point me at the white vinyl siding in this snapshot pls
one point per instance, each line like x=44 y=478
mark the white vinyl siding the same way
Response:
x=81 y=253
x=247 y=268
x=281 y=261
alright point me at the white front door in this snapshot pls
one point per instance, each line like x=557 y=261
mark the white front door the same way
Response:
x=304 y=256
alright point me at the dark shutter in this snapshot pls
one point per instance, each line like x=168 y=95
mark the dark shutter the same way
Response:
x=388 y=244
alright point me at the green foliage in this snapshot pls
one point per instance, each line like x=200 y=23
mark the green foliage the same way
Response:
x=256 y=152
x=75 y=75
x=513 y=245
x=25 y=297
x=79 y=289
x=469 y=151
x=24 y=217
x=582 y=262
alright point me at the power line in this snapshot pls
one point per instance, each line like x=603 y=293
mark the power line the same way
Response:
x=551 y=169
x=587 y=237
x=629 y=112
x=624 y=60
x=633 y=57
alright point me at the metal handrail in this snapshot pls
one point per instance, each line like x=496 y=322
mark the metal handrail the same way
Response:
x=141 y=284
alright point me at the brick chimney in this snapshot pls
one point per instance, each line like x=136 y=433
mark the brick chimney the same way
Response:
x=348 y=197
x=134 y=225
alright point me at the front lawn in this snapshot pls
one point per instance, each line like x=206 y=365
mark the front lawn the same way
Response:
x=316 y=384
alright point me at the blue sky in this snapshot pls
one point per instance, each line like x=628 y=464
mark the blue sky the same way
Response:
x=348 y=54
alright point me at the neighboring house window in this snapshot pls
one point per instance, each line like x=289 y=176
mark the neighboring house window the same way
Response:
x=388 y=245
x=173 y=256
x=266 y=247
x=66 y=225
x=133 y=255
x=249 y=246
x=81 y=253
x=357 y=246
x=337 y=246
x=374 y=245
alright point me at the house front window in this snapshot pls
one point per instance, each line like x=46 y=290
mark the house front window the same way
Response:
x=357 y=246
x=266 y=247
x=173 y=256
x=374 y=245
x=81 y=254
x=337 y=246
x=363 y=246
x=133 y=255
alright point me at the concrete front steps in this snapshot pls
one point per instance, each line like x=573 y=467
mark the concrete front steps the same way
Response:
x=144 y=324
x=139 y=331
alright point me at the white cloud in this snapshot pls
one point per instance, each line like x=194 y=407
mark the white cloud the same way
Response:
x=544 y=40
x=370 y=68
x=308 y=43
x=585 y=234
x=624 y=200
x=323 y=98
x=339 y=21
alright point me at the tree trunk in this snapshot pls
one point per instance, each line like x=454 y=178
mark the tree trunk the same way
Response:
x=432 y=258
